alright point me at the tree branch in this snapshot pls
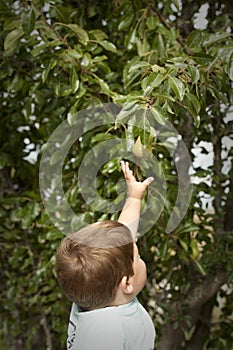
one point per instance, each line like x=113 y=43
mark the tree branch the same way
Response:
x=205 y=290
x=172 y=336
x=166 y=25
x=45 y=326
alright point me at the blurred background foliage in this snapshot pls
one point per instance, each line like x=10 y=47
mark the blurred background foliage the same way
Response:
x=171 y=58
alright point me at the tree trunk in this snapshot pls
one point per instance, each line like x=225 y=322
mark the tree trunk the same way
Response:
x=202 y=329
x=192 y=312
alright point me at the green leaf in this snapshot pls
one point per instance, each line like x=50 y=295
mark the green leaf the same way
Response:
x=138 y=65
x=46 y=30
x=120 y=98
x=131 y=77
x=158 y=69
x=200 y=267
x=177 y=86
x=74 y=53
x=142 y=46
x=101 y=137
x=26 y=214
x=222 y=96
x=127 y=110
x=28 y=109
x=65 y=91
x=194 y=247
x=192 y=104
x=28 y=21
x=81 y=91
x=230 y=67
x=86 y=60
x=216 y=37
x=108 y=46
x=98 y=34
x=194 y=39
x=80 y=32
x=202 y=58
x=104 y=87
x=217 y=58
x=54 y=234
x=72 y=116
x=126 y=22
x=188 y=228
x=51 y=65
x=102 y=65
x=152 y=22
x=165 y=96
x=100 y=59
x=12 y=39
x=194 y=72
x=183 y=245
x=159 y=114
x=17 y=83
x=160 y=45
x=155 y=79
x=11 y=24
x=38 y=49
x=164 y=252
x=62 y=14
x=16 y=215
x=128 y=105
x=177 y=4
x=74 y=81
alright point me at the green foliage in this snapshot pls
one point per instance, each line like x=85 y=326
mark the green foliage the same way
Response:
x=60 y=58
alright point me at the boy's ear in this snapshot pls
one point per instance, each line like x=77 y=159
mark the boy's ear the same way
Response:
x=126 y=285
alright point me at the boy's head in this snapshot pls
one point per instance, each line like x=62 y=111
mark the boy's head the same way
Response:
x=91 y=263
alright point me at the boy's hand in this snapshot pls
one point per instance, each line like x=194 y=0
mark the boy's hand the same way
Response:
x=135 y=188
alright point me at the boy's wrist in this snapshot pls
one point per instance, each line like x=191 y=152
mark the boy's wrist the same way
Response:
x=134 y=197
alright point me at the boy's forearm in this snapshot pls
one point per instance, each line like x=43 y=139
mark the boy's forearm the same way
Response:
x=130 y=215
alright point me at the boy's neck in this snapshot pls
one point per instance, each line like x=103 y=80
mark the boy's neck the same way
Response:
x=118 y=301
x=121 y=299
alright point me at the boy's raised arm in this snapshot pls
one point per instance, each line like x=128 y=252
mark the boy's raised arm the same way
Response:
x=130 y=213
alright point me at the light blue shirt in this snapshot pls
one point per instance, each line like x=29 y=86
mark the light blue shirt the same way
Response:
x=124 y=327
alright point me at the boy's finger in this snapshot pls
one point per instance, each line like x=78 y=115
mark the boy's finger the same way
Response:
x=123 y=166
x=148 y=181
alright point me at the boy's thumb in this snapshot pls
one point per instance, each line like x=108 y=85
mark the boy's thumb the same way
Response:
x=148 y=181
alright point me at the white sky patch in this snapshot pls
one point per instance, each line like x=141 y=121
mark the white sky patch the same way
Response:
x=203 y=160
x=200 y=21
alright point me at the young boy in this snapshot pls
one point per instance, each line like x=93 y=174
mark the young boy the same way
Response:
x=101 y=272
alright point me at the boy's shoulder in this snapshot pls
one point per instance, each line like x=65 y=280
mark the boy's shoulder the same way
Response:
x=101 y=326
x=102 y=320
x=108 y=315
x=110 y=328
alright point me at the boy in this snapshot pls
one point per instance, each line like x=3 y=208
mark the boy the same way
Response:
x=100 y=271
